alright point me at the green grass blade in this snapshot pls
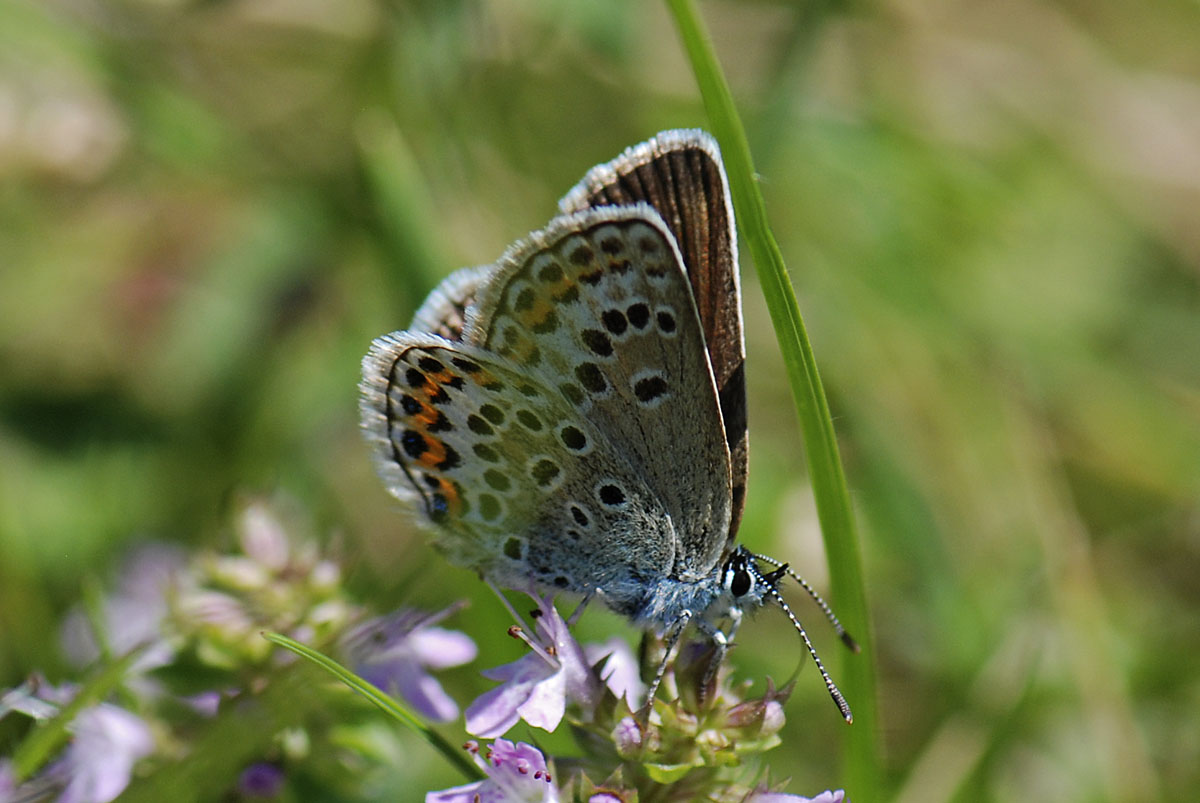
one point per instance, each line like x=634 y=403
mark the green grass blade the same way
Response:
x=383 y=701
x=857 y=675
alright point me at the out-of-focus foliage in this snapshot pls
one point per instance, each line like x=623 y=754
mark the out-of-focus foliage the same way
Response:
x=207 y=209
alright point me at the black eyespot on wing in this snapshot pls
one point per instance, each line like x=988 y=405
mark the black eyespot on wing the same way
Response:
x=544 y=472
x=497 y=479
x=485 y=453
x=611 y=495
x=591 y=377
x=413 y=443
x=573 y=438
x=639 y=315
x=489 y=507
x=614 y=321
x=492 y=413
x=451 y=460
x=592 y=277
x=530 y=421
x=597 y=342
x=524 y=299
x=551 y=273
x=479 y=426
x=650 y=388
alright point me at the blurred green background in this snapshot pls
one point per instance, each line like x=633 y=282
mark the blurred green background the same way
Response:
x=991 y=212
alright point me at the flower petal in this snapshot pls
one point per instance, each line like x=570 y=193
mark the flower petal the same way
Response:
x=620 y=670
x=439 y=648
x=468 y=793
x=426 y=695
x=495 y=711
x=546 y=704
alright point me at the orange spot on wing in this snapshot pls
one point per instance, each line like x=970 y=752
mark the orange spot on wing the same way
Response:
x=434 y=454
x=453 y=498
x=426 y=417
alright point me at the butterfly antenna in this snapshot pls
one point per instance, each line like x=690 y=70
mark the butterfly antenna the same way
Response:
x=834 y=692
x=846 y=638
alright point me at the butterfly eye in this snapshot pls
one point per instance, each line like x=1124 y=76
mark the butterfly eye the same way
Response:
x=739 y=584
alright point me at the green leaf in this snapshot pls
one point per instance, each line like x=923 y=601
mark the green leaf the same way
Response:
x=382 y=701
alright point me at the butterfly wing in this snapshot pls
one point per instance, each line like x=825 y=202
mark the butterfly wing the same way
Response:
x=444 y=312
x=598 y=306
x=519 y=484
x=681 y=175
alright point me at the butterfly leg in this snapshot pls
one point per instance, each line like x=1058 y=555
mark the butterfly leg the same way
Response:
x=721 y=643
x=670 y=638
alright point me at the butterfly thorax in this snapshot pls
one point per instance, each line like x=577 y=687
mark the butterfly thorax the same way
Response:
x=732 y=587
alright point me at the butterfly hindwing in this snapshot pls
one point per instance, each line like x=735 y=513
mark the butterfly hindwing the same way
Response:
x=518 y=484
x=444 y=311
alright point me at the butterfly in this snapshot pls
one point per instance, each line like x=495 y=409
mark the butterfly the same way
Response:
x=573 y=416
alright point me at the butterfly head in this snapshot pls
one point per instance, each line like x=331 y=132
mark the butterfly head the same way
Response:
x=746 y=585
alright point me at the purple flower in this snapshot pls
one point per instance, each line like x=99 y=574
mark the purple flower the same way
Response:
x=98 y=762
x=395 y=653
x=536 y=688
x=516 y=773
x=620 y=671
x=261 y=779
x=8 y=780
x=764 y=796
x=133 y=615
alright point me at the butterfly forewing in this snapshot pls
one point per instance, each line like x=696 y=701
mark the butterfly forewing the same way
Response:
x=598 y=307
x=681 y=175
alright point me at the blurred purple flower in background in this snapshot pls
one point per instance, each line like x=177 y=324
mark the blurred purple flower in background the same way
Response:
x=8 y=780
x=132 y=616
x=516 y=773
x=536 y=687
x=261 y=779
x=98 y=762
x=396 y=652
